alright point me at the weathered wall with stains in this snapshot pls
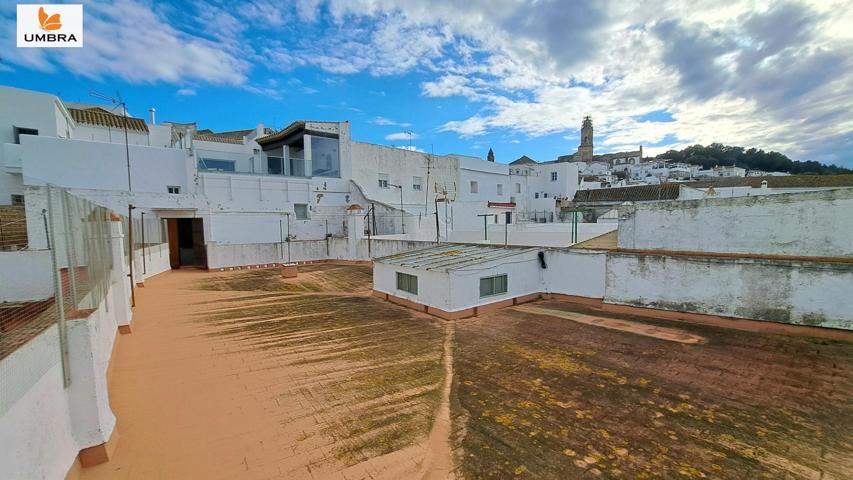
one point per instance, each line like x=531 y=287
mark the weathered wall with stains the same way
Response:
x=807 y=293
x=797 y=224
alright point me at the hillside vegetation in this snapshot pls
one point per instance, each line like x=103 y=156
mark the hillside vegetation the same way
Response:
x=752 y=159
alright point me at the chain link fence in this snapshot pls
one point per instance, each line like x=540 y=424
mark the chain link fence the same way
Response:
x=50 y=287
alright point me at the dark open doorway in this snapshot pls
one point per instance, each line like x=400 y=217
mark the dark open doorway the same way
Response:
x=186 y=243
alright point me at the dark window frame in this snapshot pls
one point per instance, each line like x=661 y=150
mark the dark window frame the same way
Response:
x=493 y=285
x=407 y=283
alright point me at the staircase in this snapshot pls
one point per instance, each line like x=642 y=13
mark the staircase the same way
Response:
x=13 y=228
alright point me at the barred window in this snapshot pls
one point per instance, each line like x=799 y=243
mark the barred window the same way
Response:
x=407 y=283
x=493 y=285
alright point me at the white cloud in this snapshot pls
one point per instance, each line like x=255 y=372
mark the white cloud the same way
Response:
x=388 y=122
x=186 y=92
x=135 y=42
x=411 y=148
x=391 y=137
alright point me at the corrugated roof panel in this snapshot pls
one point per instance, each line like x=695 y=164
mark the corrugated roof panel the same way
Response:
x=452 y=256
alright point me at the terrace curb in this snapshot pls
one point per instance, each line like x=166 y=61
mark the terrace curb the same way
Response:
x=746 y=324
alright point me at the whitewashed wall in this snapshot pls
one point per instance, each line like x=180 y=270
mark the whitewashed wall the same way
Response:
x=232 y=255
x=569 y=272
x=101 y=166
x=780 y=291
x=44 y=425
x=25 y=275
x=401 y=166
x=797 y=224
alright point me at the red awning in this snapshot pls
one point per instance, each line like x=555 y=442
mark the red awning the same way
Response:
x=501 y=204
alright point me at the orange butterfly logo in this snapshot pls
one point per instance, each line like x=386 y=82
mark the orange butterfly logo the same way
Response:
x=48 y=22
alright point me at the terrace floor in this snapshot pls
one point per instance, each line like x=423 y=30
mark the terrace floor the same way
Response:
x=245 y=375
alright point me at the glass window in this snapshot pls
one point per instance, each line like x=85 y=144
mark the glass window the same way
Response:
x=500 y=189
x=407 y=283
x=493 y=285
x=417 y=183
x=553 y=176
x=474 y=187
x=297 y=166
x=325 y=159
x=215 y=165
x=517 y=188
x=275 y=166
x=301 y=211
x=173 y=189
x=383 y=180
x=536 y=195
x=17 y=200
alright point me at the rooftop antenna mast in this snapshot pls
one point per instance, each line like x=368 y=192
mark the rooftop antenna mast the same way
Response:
x=118 y=102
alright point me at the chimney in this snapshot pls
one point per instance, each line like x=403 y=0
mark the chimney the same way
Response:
x=152 y=111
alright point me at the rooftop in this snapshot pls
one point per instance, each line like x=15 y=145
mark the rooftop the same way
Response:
x=639 y=193
x=100 y=117
x=452 y=256
x=244 y=374
x=790 y=181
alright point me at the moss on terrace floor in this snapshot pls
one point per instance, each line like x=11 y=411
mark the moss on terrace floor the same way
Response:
x=542 y=397
x=372 y=369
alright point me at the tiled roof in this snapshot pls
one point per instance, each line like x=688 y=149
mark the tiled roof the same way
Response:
x=213 y=137
x=452 y=256
x=640 y=193
x=791 y=181
x=101 y=118
x=524 y=160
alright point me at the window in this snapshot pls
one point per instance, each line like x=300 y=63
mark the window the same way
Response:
x=517 y=188
x=493 y=285
x=407 y=283
x=417 y=183
x=297 y=166
x=24 y=131
x=544 y=195
x=17 y=200
x=274 y=166
x=301 y=211
x=325 y=160
x=536 y=195
x=500 y=189
x=214 y=165
x=553 y=176
x=173 y=189
x=383 y=180
x=474 y=187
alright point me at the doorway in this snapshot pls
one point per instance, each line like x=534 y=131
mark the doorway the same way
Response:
x=186 y=242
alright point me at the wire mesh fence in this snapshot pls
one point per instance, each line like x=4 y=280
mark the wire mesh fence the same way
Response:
x=64 y=282
x=13 y=228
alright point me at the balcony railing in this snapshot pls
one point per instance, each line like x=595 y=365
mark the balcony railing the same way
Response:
x=269 y=166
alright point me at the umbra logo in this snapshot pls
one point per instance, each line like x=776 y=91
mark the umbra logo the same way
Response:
x=50 y=26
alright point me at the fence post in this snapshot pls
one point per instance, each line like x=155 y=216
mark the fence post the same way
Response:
x=57 y=295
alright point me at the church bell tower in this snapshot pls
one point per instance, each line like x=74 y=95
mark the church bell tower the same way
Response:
x=585 y=148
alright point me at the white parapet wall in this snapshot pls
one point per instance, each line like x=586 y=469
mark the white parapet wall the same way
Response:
x=336 y=248
x=805 y=293
x=817 y=224
x=44 y=424
x=26 y=276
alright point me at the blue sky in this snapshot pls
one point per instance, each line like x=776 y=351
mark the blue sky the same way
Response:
x=464 y=77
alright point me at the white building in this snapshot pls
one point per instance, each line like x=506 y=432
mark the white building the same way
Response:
x=221 y=192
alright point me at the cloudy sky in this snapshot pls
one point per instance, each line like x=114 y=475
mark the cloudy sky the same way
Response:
x=462 y=77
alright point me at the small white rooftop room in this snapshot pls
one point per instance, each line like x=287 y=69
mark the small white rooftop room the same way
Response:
x=455 y=277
